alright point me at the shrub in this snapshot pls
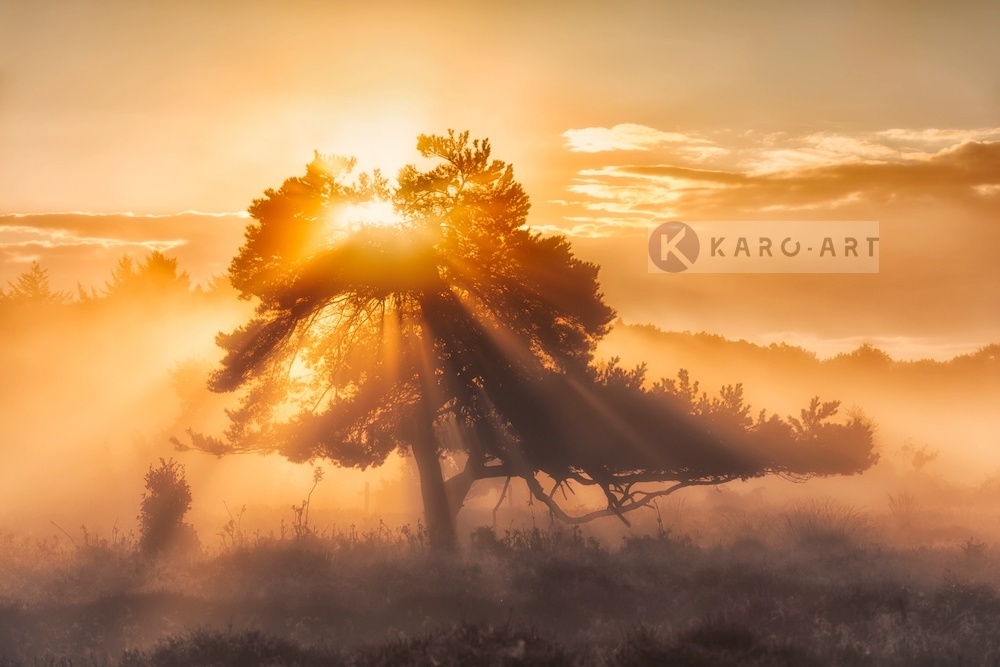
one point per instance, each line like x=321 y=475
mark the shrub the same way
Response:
x=826 y=524
x=161 y=514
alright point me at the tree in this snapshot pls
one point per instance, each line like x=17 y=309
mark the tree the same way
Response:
x=32 y=288
x=161 y=514
x=453 y=330
x=156 y=276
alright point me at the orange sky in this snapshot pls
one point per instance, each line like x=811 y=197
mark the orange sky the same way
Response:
x=613 y=115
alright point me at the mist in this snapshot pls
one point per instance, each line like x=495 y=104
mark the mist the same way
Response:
x=96 y=385
x=947 y=406
x=102 y=385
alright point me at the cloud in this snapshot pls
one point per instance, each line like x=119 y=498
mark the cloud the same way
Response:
x=935 y=194
x=670 y=173
x=23 y=236
x=703 y=153
x=130 y=214
x=939 y=136
x=958 y=175
x=593 y=226
x=82 y=247
x=820 y=149
x=756 y=174
x=624 y=137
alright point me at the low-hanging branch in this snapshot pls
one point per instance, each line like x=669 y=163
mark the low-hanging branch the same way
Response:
x=615 y=507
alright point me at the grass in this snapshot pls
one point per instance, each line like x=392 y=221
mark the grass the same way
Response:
x=821 y=588
x=824 y=524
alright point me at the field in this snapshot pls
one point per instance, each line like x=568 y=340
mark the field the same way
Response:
x=810 y=582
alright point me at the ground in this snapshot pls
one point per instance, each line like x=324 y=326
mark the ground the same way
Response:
x=812 y=583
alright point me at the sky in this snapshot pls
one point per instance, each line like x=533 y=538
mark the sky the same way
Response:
x=127 y=127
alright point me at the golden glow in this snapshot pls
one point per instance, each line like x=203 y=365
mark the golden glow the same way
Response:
x=343 y=219
x=374 y=213
x=376 y=131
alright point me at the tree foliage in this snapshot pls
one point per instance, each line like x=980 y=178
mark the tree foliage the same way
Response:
x=456 y=329
x=616 y=431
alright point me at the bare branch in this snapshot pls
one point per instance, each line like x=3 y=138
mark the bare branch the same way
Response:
x=618 y=509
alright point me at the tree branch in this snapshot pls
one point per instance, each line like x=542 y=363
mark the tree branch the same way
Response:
x=617 y=509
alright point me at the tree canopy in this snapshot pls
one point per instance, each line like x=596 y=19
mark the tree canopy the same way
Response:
x=451 y=328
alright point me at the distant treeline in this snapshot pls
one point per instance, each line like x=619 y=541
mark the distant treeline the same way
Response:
x=146 y=336
x=157 y=281
x=784 y=357
x=155 y=276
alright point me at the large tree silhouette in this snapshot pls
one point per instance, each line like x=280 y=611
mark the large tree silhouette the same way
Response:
x=455 y=330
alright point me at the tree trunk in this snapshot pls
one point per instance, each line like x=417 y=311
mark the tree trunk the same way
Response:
x=437 y=509
x=457 y=488
x=437 y=512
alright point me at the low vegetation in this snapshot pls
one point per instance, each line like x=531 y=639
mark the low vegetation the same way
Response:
x=825 y=584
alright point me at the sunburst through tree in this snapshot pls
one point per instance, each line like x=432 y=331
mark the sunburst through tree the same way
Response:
x=444 y=312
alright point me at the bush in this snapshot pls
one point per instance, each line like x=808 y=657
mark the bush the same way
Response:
x=161 y=514
x=825 y=524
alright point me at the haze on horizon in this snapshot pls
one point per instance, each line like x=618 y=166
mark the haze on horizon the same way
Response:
x=612 y=117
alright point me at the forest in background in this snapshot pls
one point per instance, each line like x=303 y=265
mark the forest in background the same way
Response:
x=98 y=382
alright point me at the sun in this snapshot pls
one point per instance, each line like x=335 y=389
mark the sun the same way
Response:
x=343 y=219
x=369 y=214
